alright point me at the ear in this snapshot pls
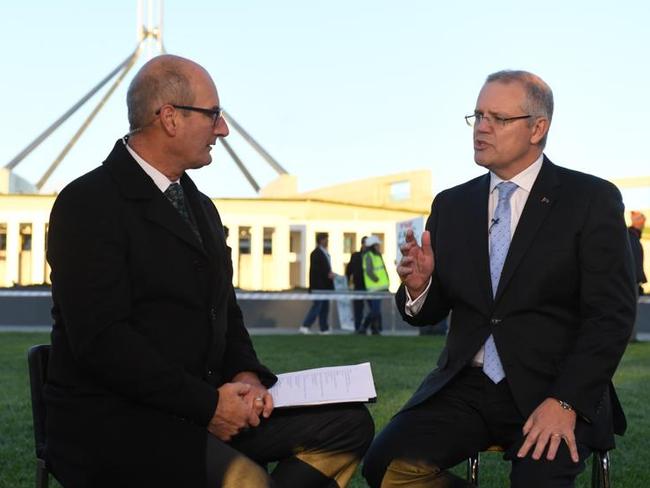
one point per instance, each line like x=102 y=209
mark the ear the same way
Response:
x=168 y=122
x=539 y=130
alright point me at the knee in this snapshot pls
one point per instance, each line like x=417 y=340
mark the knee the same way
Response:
x=363 y=431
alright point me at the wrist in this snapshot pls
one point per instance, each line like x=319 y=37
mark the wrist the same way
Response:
x=566 y=406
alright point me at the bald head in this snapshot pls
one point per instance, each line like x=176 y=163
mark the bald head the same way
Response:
x=164 y=79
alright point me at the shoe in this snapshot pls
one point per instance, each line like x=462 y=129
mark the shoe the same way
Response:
x=304 y=330
x=325 y=332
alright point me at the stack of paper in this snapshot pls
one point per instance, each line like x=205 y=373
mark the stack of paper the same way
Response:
x=338 y=384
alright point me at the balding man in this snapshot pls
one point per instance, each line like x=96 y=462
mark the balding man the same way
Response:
x=153 y=380
x=533 y=262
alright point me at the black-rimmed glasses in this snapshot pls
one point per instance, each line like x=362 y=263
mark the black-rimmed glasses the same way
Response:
x=214 y=113
x=492 y=120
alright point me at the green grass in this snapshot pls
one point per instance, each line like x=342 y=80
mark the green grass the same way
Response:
x=399 y=364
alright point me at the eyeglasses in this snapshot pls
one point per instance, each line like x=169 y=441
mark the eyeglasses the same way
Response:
x=214 y=113
x=492 y=120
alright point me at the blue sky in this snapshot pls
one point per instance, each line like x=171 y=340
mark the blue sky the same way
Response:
x=339 y=90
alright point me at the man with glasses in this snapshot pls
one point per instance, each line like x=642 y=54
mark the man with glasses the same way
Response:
x=153 y=379
x=533 y=262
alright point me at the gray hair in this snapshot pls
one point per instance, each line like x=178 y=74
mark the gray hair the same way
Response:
x=539 y=96
x=160 y=81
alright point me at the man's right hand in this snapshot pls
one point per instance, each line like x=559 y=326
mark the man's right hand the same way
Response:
x=233 y=412
x=416 y=266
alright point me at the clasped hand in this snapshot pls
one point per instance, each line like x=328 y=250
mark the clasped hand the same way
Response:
x=416 y=266
x=241 y=403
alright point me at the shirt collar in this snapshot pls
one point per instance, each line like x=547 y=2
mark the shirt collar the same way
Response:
x=159 y=179
x=525 y=179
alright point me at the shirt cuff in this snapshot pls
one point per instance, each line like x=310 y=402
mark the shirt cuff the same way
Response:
x=413 y=307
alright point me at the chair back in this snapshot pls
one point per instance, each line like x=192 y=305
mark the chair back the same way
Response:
x=37 y=358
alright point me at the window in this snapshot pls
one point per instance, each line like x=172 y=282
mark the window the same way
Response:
x=3 y=242
x=268 y=240
x=349 y=242
x=400 y=190
x=244 y=240
x=25 y=237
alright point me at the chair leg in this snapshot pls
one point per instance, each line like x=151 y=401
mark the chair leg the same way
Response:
x=42 y=475
x=601 y=466
x=472 y=468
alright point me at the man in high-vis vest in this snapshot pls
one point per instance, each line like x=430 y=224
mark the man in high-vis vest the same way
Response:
x=375 y=278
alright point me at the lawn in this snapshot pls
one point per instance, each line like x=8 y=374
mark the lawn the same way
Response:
x=399 y=364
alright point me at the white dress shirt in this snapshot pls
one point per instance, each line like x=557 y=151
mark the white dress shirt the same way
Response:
x=524 y=182
x=160 y=180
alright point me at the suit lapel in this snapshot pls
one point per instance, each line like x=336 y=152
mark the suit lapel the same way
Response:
x=477 y=238
x=136 y=186
x=540 y=201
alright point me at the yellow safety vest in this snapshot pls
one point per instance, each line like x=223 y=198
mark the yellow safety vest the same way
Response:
x=379 y=270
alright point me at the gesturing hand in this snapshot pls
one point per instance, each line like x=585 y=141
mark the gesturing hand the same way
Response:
x=233 y=411
x=549 y=424
x=416 y=266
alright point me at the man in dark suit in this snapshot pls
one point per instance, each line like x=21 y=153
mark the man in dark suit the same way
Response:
x=320 y=278
x=153 y=379
x=354 y=273
x=533 y=262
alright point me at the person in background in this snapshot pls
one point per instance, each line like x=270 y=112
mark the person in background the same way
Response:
x=637 y=221
x=635 y=230
x=321 y=277
x=375 y=278
x=354 y=274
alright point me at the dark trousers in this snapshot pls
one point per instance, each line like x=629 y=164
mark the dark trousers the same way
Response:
x=314 y=447
x=466 y=416
x=358 y=313
x=373 y=319
x=320 y=309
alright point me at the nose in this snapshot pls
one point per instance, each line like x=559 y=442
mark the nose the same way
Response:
x=483 y=126
x=221 y=128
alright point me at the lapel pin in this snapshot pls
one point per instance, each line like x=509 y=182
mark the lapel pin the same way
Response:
x=545 y=200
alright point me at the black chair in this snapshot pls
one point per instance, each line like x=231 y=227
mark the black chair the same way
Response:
x=600 y=467
x=37 y=357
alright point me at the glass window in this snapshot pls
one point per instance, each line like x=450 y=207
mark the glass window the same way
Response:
x=268 y=240
x=244 y=240
x=25 y=237
x=400 y=190
x=349 y=242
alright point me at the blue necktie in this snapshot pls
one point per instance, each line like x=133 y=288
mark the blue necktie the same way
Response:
x=499 y=244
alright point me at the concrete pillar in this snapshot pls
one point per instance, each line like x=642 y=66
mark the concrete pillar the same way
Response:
x=335 y=248
x=257 y=253
x=38 y=252
x=13 y=253
x=233 y=242
x=281 y=257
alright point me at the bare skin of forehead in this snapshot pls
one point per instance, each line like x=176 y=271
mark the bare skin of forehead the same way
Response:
x=165 y=62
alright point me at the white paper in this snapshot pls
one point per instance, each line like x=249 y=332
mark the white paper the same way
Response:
x=338 y=384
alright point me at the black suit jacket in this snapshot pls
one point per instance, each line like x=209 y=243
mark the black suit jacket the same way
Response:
x=146 y=328
x=319 y=269
x=565 y=305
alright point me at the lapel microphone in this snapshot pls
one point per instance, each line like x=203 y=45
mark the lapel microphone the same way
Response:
x=493 y=222
x=545 y=200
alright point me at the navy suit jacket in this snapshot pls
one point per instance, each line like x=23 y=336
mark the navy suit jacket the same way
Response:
x=564 y=309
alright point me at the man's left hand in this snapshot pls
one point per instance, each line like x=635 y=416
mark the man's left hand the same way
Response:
x=258 y=397
x=549 y=424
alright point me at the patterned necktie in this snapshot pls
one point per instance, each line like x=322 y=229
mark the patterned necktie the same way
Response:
x=499 y=244
x=175 y=195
